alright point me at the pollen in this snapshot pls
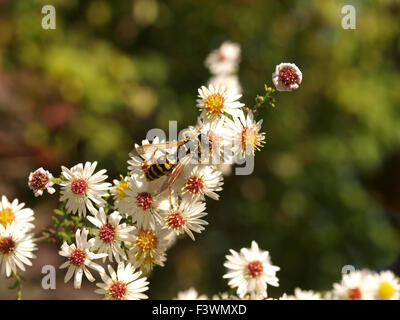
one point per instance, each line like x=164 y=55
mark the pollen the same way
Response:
x=194 y=185
x=121 y=188
x=386 y=290
x=144 y=200
x=288 y=75
x=6 y=216
x=79 y=186
x=7 y=245
x=107 y=233
x=354 y=294
x=175 y=220
x=214 y=104
x=118 y=290
x=146 y=240
x=255 y=268
x=77 y=257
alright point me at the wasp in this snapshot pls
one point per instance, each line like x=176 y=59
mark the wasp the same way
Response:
x=189 y=149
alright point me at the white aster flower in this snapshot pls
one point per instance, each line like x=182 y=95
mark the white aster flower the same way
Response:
x=124 y=284
x=302 y=295
x=110 y=234
x=82 y=187
x=148 y=248
x=250 y=271
x=186 y=217
x=386 y=286
x=356 y=285
x=287 y=77
x=225 y=59
x=231 y=82
x=15 y=249
x=245 y=134
x=215 y=101
x=80 y=258
x=190 y=294
x=120 y=197
x=201 y=180
x=15 y=212
x=39 y=181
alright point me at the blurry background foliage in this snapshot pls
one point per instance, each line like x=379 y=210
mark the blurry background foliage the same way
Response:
x=325 y=190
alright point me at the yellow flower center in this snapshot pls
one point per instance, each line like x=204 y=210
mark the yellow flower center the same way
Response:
x=214 y=104
x=251 y=139
x=6 y=216
x=121 y=187
x=146 y=240
x=386 y=290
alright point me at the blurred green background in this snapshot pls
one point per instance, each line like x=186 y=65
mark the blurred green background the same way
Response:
x=325 y=188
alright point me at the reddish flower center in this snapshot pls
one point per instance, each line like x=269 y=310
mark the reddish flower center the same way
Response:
x=144 y=200
x=118 y=290
x=194 y=185
x=39 y=181
x=77 y=257
x=107 y=233
x=7 y=245
x=79 y=186
x=255 y=268
x=354 y=294
x=288 y=75
x=175 y=220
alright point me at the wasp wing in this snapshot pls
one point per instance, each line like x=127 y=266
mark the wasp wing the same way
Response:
x=152 y=148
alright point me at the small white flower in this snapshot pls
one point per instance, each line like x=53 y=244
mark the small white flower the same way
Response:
x=245 y=134
x=15 y=212
x=110 y=234
x=82 y=187
x=215 y=101
x=231 y=82
x=190 y=294
x=287 y=77
x=225 y=59
x=39 y=181
x=356 y=285
x=143 y=201
x=124 y=284
x=80 y=258
x=120 y=197
x=148 y=248
x=201 y=180
x=15 y=249
x=302 y=295
x=186 y=217
x=386 y=286
x=250 y=271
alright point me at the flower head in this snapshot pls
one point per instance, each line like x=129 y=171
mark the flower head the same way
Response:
x=119 y=191
x=386 y=286
x=15 y=212
x=287 y=77
x=190 y=294
x=39 y=181
x=225 y=59
x=354 y=286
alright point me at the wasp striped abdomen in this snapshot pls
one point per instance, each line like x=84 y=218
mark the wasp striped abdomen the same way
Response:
x=162 y=166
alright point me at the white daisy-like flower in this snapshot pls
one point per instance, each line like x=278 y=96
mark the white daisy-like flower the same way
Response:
x=245 y=134
x=39 y=181
x=120 y=196
x=215 y=101
x=356 y=285
x=80 y=258
x=125 y=284
x=231 y=82
x=302 y=295
x=386 y=286
x=110 y=234
x=15 y=212
x=287 y=77
x=82 y=188
x=143 y=201
x=190 y=294
x=16 y=249
x=199 y=181
x=148 y=248
x=250 y=271
x=225 y=59
x=186 y=217
x=224 y=296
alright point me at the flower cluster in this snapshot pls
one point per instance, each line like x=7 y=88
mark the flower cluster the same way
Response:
x=250 y=271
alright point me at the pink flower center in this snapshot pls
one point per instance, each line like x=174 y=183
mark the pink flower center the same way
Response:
x=255 y=268
x=39 y=181
x=77 y=257
x=79 y=186
x=144 y=200
x=354 y=294
x=175 y=220
x=288 y=75
x=107 y=233
x=7 y=245
x=118 y=290
x=194 y=185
